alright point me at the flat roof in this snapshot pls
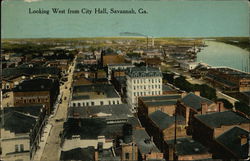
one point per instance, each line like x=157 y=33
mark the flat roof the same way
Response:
x=226 y=118
x=94 y=91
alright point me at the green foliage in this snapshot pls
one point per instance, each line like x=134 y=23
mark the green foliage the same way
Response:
x=242 y=107
x=205 y=90
x=226 y=103
x=168 y=77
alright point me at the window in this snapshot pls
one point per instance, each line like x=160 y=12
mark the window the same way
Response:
x=155 y=86
x=109 y=102
x=126 y=155
x=134 y=88
x=83 y=104
x=21 y=147
x=16 y=148
x=74 y=104
x=134 y=93
x=101 y=102
x=137 y=80
x=113 y=102
x=159 y=80
x=87 y=103
x=92 y=103
x=159 y=86
x=153 y=93
x=152 y=80
x=134 y=81
x=79 y=104
x=117 y=102
x=144 y=87
x=152 y=86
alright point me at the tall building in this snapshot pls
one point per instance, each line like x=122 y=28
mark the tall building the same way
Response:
x=142 y=81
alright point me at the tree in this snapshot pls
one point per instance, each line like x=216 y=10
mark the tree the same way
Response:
x=227 y=104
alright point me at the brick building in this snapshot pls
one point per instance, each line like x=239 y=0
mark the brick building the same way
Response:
x=208 y=127
x=36 y=92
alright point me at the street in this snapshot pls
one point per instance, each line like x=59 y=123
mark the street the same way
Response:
x=52 y=147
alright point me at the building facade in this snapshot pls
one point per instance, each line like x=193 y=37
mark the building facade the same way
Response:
x=142 y=81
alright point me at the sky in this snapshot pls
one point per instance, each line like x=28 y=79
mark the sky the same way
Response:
x=191 y=18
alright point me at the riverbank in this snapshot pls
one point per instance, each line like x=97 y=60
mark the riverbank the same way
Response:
x=242 y=42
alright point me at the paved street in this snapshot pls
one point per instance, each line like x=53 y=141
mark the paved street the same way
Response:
x=52 y=147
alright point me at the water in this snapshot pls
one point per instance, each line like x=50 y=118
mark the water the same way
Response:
x=221 y=54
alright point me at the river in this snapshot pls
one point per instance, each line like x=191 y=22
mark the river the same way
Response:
x=221 y=54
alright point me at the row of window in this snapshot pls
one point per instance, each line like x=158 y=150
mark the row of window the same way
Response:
x=19 y=148
x=147 y=93
x=147 y=80
x=149 y=86
x=33 y=100
x=93 y=103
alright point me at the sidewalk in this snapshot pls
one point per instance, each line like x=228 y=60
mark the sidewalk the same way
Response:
x=42 y=144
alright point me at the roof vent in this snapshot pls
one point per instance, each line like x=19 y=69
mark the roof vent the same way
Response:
x=191 y=141
x=147 y=141
x=196 y=149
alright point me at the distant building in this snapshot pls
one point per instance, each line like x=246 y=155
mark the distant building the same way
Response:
x=21 y=132
x=186 y=65
x=36 y=92
x=108 y=59
x=95 y=94
x=120 y=67
x=229 y=79
x=142 y=81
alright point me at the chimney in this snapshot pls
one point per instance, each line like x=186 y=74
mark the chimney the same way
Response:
x=96 y=156
x=243 y=140
x=197 y=93
x=204 y=108
x=220 y=106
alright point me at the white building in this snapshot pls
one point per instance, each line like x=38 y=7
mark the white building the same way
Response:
x=94 y=95
x=186 y=65
x=142 y=81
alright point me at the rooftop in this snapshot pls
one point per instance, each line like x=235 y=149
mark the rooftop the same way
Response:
x=195 y=101
x=94 y=91
x=38 y=84
x=91 y=128
x=34 y=110
x=226 y=118
x=84 y=154
x=161 y=103
x=188 y=146
x=163 y=120
x=18 y=122
x=14 y=72
x=114 y=111
x=231 y=140
x=144 y=71
x=144 y=142
x=168 y=97
x=232 y=71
